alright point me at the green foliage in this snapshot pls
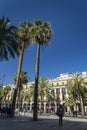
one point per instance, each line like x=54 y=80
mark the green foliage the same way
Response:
x=23 y=78
x=85 y=97
x=76 y=85
x=8 y=40
x=1 y=95
x=41 y=32
x=44 y=89
x=69 y=101
x=24 y=34
x=4 y=92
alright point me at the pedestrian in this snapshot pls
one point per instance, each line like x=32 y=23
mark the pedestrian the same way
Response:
x=60 y=114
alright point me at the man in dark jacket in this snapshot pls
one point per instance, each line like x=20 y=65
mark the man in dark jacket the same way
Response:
x=60 y=113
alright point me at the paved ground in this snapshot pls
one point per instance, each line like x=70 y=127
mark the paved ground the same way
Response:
x=44 y=123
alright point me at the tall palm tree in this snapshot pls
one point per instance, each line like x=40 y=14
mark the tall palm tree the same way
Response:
x=41 y=33
x=24 y=35
x=8 y=40
x=76 y=86
x=23 y=80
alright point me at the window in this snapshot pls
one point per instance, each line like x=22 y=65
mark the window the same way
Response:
x=58 y=99
x=62 y=83
x=63 y=91
x=58 y=91
x=63 y=97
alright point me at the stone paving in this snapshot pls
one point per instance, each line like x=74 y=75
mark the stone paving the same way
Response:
x=43 y=123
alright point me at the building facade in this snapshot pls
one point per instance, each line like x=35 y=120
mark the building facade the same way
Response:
x=59 y=91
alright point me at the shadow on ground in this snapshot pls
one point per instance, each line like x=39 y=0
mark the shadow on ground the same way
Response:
x=26 y=123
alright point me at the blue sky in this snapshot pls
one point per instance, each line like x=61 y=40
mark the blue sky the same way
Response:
x=67 y=51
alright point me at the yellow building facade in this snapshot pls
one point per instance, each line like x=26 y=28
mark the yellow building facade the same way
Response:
x=58 y=90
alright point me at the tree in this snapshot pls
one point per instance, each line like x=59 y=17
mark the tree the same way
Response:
x=23 y=80
x=70 y=102
x=24 y=35
x=4 y=93
x=1 y=95
x=8 y=40
x=31 y=92
x=41 y=33
x=76 y=87
x=44 y=89
x=85 y=97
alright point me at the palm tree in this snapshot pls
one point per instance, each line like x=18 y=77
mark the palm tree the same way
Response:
x=70 y=102
x=31 y=92
x=85 y=97
x=23 y=80
x=1 y=95
x=41 y=33
x=5 y=92
x=8 y=40
x=44 y=89
x=76 y=87
x=24 y=35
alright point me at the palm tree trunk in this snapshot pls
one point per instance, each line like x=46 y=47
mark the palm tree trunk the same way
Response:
x=19 y=98
x=82 y=106
x=35 y=118
x=17 y=81
x=41 y=102
x=81 y=102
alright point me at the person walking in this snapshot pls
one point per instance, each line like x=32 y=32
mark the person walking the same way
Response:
x=60 y=113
